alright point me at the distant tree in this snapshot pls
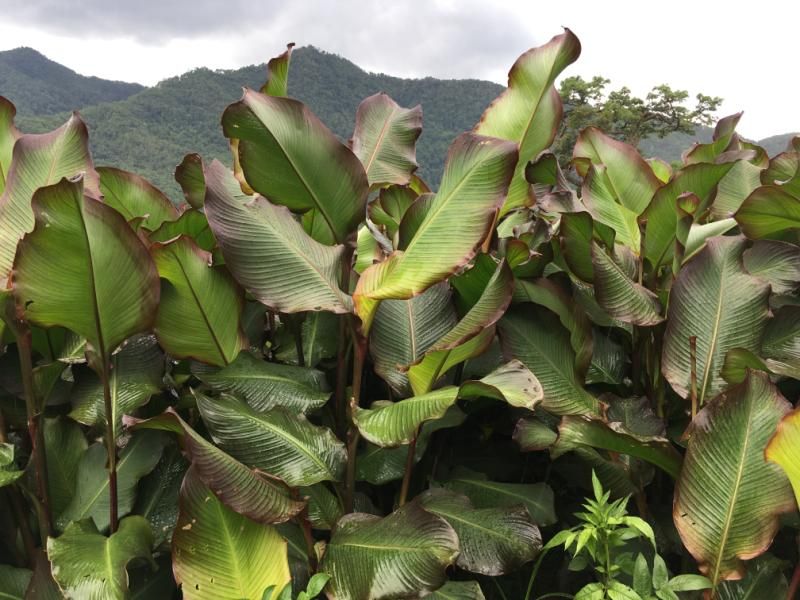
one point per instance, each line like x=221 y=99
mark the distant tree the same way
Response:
x=625 y=116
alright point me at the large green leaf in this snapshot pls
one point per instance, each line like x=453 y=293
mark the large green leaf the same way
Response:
x=493 y=541
x=83 y=268
x=403 y=555
x=721 y=304
x=265 y=385
x=64 y=445
x=384 y=139
x=291 y=158
x=38 y=161
x=728 y=497
x=320 y=332
x=474 y=184
x=764 y=579
x=201 y=306
x=543 y=346
x=13 y=581
x=268 y=252
x=781 y=346
x=91 y=498
x=157 y=495
x=8 y=137
x=775 y=262
x=458 y=590
x=277 y=83
x=784 y=449
x=628 y=177
x=242 y=489
x=528 y=112
x=769 y=212
x=136 y=374
x=191 y=223
x=189 y=175
x=598 y=196
x=8 y=473
x=403 y=330
x=91 y=566
x=134 y=197
x=278 y=442
x=537 y=498
x=218 y=554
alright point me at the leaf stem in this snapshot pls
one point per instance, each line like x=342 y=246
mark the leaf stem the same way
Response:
x=534 y=573
x=412 y=450
x=342 y=353
x=111 y=445
x=794 y=585
x=359 y=357
x=305 y=525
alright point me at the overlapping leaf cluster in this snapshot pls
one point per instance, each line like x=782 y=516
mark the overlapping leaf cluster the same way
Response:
x=317 y=364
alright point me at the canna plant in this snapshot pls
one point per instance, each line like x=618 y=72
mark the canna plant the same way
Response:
x=317 y=376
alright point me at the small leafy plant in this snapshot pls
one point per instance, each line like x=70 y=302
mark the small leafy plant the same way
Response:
x=316 y=375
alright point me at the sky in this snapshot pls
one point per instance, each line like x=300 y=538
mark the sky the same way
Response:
x=748 y=56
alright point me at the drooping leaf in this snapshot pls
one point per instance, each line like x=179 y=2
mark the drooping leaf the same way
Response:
x=91 y=498
x=201 y=306
x=277 y=83
x=83 y=268
x=474 y=184
x=136 y=374
x=8 y=137
x=133 y=196
x=544 y=347
x=775 y=262
x=769 y=212
x=87 y=564
x=716 y=300
x=291 y=158
x=38 y=161
x=493 y=541
x=189 y=175
x=483 y=493
x=265 y=385
x=218 y=554
x=528 y=112
x=245 y=490
x=64 y=445
x=402 y=555
x=278 y=442
x=784 y=448
x=384 y=139
x=728 y=497
x=268 y=252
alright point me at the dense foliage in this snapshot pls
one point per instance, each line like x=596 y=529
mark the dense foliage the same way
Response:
x=317 y=376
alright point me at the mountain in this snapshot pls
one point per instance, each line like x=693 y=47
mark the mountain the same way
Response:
x=40 y=86
x=149 y=130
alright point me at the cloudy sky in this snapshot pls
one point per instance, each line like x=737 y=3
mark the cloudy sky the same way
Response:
x=748 y=56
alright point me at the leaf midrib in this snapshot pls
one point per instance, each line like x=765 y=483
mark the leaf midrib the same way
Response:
x=379 y=141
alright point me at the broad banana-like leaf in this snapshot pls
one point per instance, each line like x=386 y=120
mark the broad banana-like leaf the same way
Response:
x=723 y=138
x=265 y=385
x=621 y=297
x=134 y=197
x=403 y=555
x=87 y=564
x=548 y=293
x=291 y=158
x=218 y=554
x=64 y=445
x=775 y=262
x=737 y=363
x=533 y=434
x=199 y=315
x=537 y=498
x=38 y=161
x=389 y=208
x=384 y=139
x=157 y=495
x=324 y=508
x=764 y=579
x=83 y=268
x=493 y=541
x=716 y=300
x=91 y=497
x=137 y=373
x=277 y=83
x=9 y=134
x=769 y=212
x=781 y=345
x=585 y=431
x=268 y=252
x=728 y=497
x=8 y=474
x=784 y=449
x=544 y=347
x=13 y=581
x=189 y=175
x=628 y=176
x=247 y=491
x=404 y=330
x=662 y=217
x=191 y=223
x=474 y=184
x=278 y=442
x=528 y=112
x=600 y=200
x=391 y=424
x=742 y=179
x=458 y=590
x=320 y=332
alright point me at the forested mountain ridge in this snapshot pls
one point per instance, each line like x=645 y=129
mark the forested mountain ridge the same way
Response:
x=147 y=130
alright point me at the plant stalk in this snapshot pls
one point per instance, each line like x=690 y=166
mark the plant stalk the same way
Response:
x=35 y=430
x=305 y=525
x=342 y=353
x=794 y=585
x=412 y=450
x=111 y=445
x=359 y=356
